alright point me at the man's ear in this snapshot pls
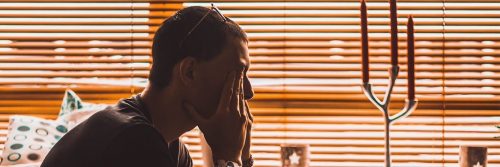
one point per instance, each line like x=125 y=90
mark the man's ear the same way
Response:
x=186 y=70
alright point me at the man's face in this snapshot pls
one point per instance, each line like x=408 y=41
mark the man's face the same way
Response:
x=211 y=75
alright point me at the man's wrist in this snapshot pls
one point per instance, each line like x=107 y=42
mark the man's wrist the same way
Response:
x=224 y=163
x=247 y=162
x=226 y=157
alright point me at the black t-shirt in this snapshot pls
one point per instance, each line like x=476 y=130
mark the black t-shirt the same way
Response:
x=119 y=136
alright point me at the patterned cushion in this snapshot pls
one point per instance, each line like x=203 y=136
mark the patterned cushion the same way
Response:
x=74 y=110
x=70 y=103
x=29 y=139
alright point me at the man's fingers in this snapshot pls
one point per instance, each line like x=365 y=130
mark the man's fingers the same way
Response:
x=227 y=91
x=235 y=98
x=197 y=117
x=242 y=107
x=249 y=114
x=246 y=149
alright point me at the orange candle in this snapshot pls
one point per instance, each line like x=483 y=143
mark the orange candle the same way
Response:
x=411 y=59
x=394 y=32
x=364 y=42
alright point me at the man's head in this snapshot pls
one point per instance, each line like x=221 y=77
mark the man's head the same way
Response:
x=197 y=63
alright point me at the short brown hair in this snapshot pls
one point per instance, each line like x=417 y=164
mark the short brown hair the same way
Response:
x=204 y=43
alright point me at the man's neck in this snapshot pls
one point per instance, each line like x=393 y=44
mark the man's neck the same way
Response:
x=167 y=113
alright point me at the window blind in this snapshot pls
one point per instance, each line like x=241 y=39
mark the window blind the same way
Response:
x=100 y=49
x=305 y=70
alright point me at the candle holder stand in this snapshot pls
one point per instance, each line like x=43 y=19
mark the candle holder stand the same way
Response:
x=383 y=106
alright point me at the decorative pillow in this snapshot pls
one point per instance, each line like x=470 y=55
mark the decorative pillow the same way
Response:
x=74 y=110
x=29 y=139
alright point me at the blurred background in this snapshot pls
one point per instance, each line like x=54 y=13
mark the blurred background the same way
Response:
x=305 y=70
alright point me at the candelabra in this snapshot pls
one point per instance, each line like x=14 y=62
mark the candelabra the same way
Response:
x=411 y=102
x=410 y=106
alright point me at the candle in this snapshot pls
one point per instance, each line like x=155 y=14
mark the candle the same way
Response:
x=394 y=32
x=411 y=59
x=364 y=42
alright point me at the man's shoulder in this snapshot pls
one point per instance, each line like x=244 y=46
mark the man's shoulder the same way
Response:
x=118 y=116
x=83 y=144
x=119 y=123
x=106 y=124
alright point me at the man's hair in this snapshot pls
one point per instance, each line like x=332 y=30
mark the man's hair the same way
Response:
x=204 y=43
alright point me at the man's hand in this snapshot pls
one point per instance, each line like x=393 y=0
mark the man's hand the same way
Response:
x=225 y=131
x=246 y=149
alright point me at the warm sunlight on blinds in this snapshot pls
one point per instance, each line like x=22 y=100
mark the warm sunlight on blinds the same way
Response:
x=306 y=64
x=305 y=70
x=97 y=48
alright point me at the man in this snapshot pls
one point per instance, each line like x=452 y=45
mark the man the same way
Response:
x=198 y=78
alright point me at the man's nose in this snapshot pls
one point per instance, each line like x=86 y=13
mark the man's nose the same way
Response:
x=247 y=87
